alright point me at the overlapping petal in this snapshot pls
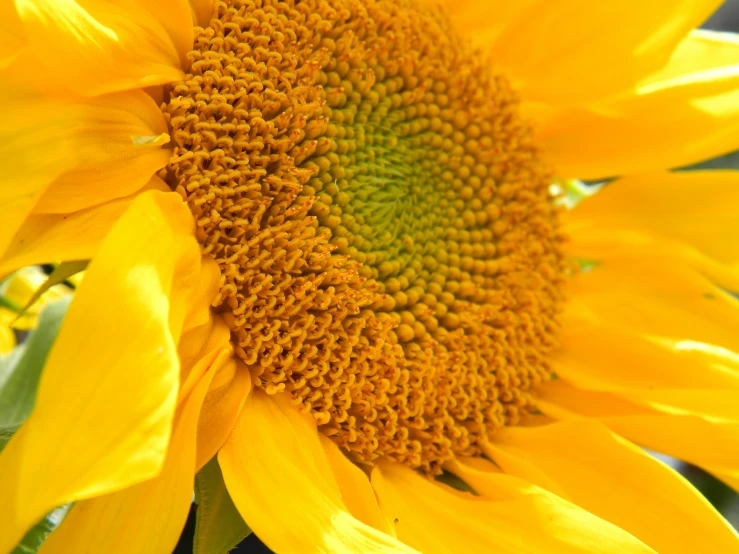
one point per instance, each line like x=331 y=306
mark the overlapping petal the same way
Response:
x=648 y=344
x=201 y=11
x=207 y=276
x=483 y=22
x=698 y=208
x=114 y=46
x=558 y=52
x=48 y=238
x=148 y=517
x=629 y=246
x=356 y=491
x=515 y=517
x=199 y=347
x=221 y=407
x=625 y=485
x=280 y=480
x=602 y=356
x=116 y=373
x=653 y=300
x=77 y=149
x=657 y=335
x=705 y=441
x=684 y=114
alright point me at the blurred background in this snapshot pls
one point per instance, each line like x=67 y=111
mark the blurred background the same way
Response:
x=725 y=499
x=726 y=18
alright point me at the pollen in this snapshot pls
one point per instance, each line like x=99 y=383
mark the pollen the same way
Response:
x=389 y=250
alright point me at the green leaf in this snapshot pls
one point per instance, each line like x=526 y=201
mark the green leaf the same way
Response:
x=455 y=482
x=586 y=265
x=38 y=533
x=4 y=302
x=62 y=272
x=570 y=192
x=728 y=161
x=218 y=526
x=20 y=370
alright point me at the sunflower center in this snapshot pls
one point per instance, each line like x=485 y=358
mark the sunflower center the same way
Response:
x=388 y=248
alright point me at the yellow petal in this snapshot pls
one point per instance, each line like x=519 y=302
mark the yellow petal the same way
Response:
x=694 y=439
x=107 y=394
x=108 y=47
x=694 y=207
x=84 y=147
x=228 y=391
x=630 y=246
x=525 y=470
x=119 y=158
x=562 y=400
x=714 y=405
x=48 y=238
x=201 y=347
x=280 y=480
x=202 y=10
x=205 y=291
x=708 y=56
x=700 y=440
x=11 y=35
x=657 y=336
x=557 y=52
x=652 y=300
x=600 y=356
x=146 y=518
x=192 y=286
x=625 y=485
x=521 y=518
x=484 y=21
x=639 y=135
x=683 y=115
x=356 y=491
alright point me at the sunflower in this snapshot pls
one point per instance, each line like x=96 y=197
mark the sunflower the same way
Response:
x=331 y=264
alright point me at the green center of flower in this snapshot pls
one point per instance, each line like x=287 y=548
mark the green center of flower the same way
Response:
x=388 y=247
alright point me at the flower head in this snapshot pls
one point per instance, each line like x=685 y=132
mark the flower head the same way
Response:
x=384 y=231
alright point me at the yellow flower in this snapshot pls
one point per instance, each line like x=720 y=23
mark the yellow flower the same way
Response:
x=7 y=336
x=16 y=292
x=326 y=248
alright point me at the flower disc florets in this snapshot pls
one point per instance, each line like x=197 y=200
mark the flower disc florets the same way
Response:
x=388 y=246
